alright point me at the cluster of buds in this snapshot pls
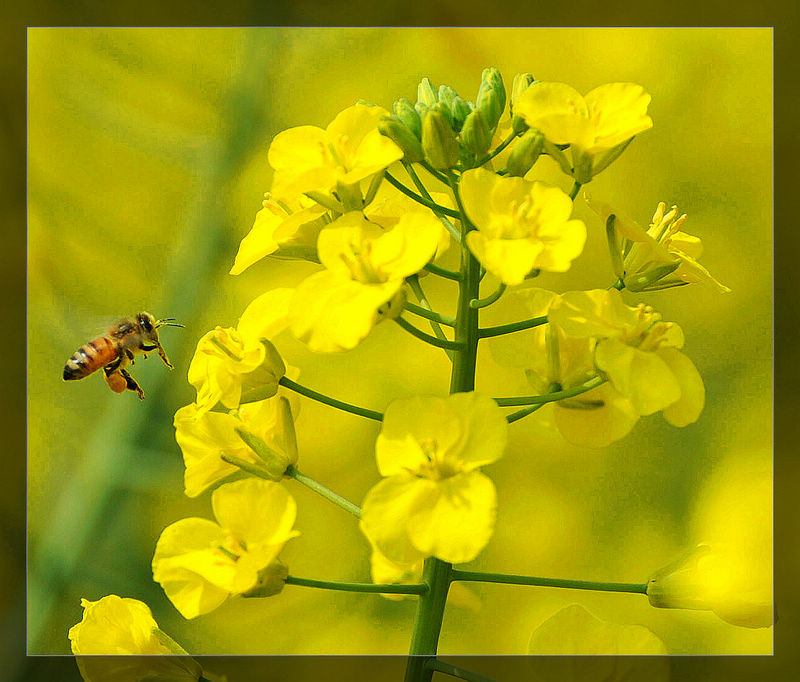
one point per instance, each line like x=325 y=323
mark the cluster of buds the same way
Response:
x=447 y=131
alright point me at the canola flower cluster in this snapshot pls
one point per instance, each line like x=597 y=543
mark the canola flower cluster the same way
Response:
x=376 y=199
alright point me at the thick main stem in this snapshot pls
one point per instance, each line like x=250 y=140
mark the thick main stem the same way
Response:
x=437 y=573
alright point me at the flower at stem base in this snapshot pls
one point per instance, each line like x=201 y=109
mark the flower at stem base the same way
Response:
x=200 y=563
x=118 y=640
x=433 y=500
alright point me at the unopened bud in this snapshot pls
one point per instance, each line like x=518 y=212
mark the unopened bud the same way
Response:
x=522 y=81
x=426 y=94
x=475 y=135
x=439 y=141
x=459 y=110
x=525 y=153
x=491 y=98
x=393 y=128
x=408 y=116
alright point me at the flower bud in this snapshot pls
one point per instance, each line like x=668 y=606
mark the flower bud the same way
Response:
x=447 y=95
x=459 y=110
x=393 y=128
x=525 y=152
x=522 y=81
x=270 y=580
x=491 y=96
x=426 y=94
x=408 y=116
x=439 y=141
x=475 y=135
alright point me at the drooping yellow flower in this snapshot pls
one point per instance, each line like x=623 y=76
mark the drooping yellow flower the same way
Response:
x=718 y=579
x=433 y=500
x=660 y=257
x=636 y=350
x=281 y=233
x=592 y=419
x=118 y=640
x=205 y=436
x=225 y=357
x=573 y=631
x=597 y=127
x=350 y=149
x=522 y=225
x=200 y=563
x=335 y=309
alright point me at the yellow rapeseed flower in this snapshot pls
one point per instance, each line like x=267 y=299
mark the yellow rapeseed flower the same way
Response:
x=204 y=436
x=200 y=563
x=636 y=350
x=225 y=357
x=281 y=233
x=349 y=150
x=433 y=500
x=118 y=640
x=522 y=225
x=597 y=127
x=365 y=267
x=659 y=257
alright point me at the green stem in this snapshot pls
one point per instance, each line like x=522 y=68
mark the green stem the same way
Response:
x=499 y=149
x=322 y=398
x=441 y=177
x=477 y=576
x=455 y=671
x=427 y=338
x=491 y=298
x=511 y=327
x=594 y=382
x=524 y=412
x=425 y=193
x=416 y=287
x=357 y=587
x=320 y=489
x=429 y=314
x=443 y=272
x=436 y=573
x=420 y=199
x=574 y=191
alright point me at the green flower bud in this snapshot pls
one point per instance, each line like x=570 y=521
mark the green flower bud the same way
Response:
x=408 y=116
x=460 y=109
x=270 y=580
x=421 y=110
x=447 y=95
x=525 y=152
x=491 y=96
x=475 y=135
x=426 y=94
x=522 y=81
x=393 y=128
x=439 y=141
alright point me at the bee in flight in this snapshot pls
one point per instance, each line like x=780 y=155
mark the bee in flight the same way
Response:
x=116 y=349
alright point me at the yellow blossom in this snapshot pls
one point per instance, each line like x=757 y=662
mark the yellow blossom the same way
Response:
x=350 y=149
x=663 y=248
x=200 y=563
x=636 y=350
x=522 y=225
x=281 y=233
x=225 y=357
x=118 y=640
x=204 y=436
x=597 y=127
x=335 y=309
x=714 y=578
x=433 y=500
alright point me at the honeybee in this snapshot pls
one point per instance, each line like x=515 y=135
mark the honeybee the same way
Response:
x=116 y=349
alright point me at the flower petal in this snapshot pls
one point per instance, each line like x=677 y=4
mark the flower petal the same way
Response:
x=258 y=511
x=688 y=407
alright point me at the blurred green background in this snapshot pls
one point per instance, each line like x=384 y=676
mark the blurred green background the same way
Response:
x=147 y=163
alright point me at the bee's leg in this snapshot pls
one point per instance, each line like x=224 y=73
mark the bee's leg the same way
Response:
x=131 y=384
x=129 y=355
x=163 y=355
x=113 y=365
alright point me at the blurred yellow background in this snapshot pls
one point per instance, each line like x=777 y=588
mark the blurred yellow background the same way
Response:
x=147 y=164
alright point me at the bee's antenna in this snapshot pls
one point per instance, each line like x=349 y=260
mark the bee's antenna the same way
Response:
x=168 y=322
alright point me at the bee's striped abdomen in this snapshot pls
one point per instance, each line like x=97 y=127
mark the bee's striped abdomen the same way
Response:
x=89 y=358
